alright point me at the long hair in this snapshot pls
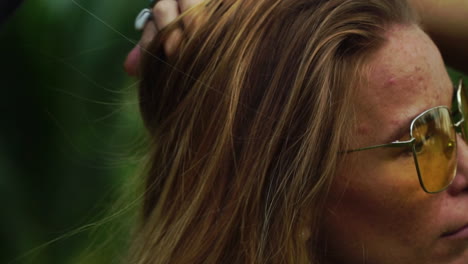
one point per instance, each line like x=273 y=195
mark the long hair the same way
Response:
x=247 y=123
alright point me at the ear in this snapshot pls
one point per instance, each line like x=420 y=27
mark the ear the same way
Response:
x=304 y=233
x=304 y=230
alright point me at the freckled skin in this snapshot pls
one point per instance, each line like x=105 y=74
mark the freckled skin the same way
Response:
x=377 y=212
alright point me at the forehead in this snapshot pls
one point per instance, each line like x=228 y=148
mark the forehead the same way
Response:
x=404 y=77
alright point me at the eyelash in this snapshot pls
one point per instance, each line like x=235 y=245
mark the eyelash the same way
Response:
x=408 y=151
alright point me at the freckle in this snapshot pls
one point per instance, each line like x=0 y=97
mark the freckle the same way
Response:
x=362 y=130
x=391 y=82
x=417 y=68
x=395 y=122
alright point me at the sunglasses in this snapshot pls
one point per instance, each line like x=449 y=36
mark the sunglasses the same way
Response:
x=433 y=142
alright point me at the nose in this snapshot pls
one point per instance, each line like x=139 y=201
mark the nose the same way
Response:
x=460 y=183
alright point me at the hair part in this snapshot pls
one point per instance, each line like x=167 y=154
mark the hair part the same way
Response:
x=247 y=123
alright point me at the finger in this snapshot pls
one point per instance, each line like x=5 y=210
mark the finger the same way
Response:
x=191 y=22
x=132 y=61
x=172 y=42
x=148 y=35
x=187 y=4
x=131 y=64
x=165 y=12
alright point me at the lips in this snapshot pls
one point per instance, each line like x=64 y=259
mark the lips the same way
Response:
x=460 y=232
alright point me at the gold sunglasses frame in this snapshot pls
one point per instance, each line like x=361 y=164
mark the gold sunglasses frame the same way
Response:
x=459 y=127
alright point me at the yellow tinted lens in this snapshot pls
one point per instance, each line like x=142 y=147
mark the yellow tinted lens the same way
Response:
x=435 y=148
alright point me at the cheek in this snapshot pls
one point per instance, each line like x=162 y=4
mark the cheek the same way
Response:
x=375 y=208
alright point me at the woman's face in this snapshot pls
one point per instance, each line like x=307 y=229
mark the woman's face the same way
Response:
x=377 y=211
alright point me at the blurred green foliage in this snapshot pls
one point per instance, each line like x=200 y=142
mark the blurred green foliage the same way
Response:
x=69 y=132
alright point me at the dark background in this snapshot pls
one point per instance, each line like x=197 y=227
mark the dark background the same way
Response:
x=71 y=139
x=70 y=133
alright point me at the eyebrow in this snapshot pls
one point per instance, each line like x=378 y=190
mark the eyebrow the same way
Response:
x=401 y=131
x=405 y=129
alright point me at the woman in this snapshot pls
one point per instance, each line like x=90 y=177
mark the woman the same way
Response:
x=289 y=131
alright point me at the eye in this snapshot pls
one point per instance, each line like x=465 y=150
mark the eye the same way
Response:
x=419 y=146
x=420 y=143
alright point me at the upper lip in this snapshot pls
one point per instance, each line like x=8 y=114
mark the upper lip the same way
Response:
x=455 y=230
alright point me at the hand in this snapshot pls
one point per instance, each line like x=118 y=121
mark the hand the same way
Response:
x=164 y=12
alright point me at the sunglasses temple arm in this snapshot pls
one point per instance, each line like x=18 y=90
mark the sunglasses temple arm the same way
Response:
x=458 y=124
x=395 y=144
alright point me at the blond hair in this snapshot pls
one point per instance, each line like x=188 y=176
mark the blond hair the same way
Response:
x=247 y=123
